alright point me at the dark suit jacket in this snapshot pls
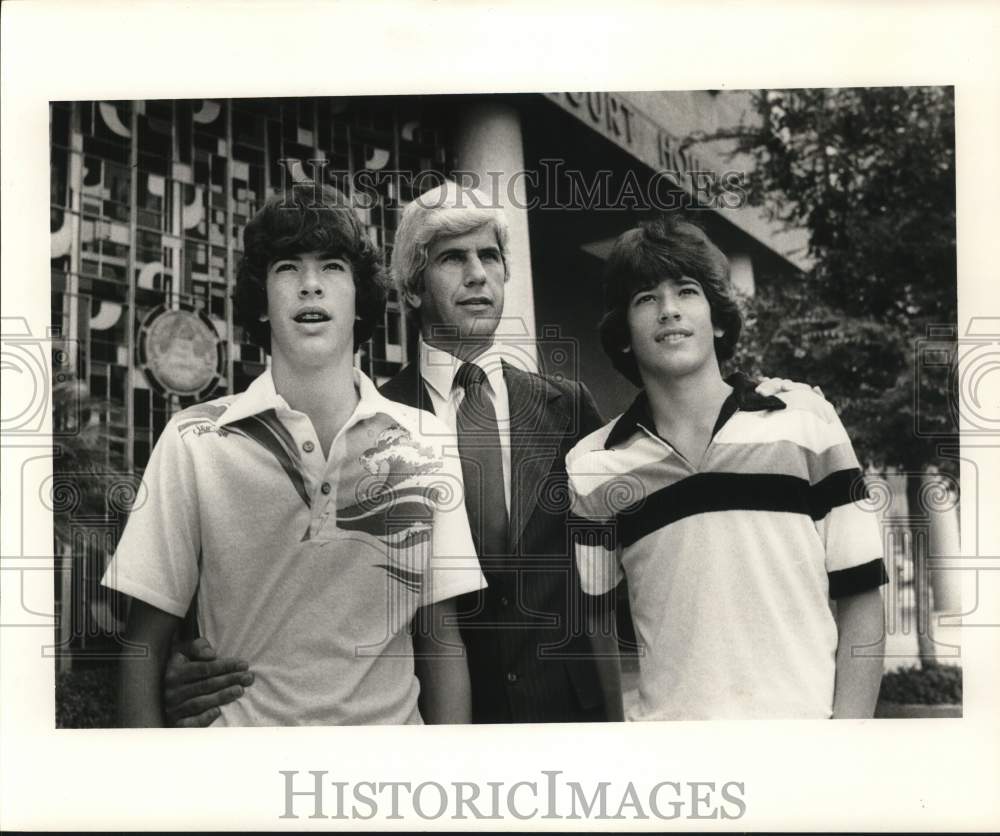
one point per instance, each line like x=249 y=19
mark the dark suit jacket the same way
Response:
x=529 y=659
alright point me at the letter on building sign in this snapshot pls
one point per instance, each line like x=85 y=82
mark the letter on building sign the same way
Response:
x=627 y=113
x=595 y=104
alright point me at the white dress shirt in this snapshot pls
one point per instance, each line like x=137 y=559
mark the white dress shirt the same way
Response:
x=438 y=369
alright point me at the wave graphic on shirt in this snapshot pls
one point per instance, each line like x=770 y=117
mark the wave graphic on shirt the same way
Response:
x=394 y=516
x=398 y=509
x=397 y=457
x=408 y=579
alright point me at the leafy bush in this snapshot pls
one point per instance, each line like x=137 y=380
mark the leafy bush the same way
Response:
x=87 y=698
x=932 y=685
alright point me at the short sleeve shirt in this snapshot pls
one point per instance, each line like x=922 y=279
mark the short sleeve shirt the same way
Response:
x=731 y=564
x=310 y=568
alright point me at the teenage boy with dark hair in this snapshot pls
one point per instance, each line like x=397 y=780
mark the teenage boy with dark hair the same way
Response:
x=754 y=576
x=306 y=517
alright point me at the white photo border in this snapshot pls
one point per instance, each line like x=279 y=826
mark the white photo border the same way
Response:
x=921 y=774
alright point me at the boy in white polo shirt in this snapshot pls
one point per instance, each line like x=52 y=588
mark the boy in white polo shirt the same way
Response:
x=753 y=574
x=309 y=518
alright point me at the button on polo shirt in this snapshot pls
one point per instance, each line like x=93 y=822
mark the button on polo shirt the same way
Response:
x=731 y=565
x=309 y=569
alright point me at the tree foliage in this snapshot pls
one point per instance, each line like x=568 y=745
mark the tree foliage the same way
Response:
x=864 y=367
x=870 y=174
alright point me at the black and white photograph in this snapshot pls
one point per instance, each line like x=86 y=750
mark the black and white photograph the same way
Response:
x=162 y=211
x=628 y=433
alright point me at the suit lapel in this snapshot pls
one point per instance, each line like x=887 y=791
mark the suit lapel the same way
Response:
x=539 y=418
x=408 y=388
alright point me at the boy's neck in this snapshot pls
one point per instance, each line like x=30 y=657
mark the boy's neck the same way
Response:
x=326 y=394
x=687 y=400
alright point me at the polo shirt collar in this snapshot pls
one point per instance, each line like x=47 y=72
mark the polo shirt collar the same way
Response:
x=438 y=368
x=260 y=396
x=743 y=397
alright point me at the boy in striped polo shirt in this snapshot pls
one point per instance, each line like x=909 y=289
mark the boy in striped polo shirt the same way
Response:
x=753 y=574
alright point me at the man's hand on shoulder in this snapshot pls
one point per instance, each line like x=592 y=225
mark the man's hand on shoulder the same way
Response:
x=196 y=683
x=796 y=394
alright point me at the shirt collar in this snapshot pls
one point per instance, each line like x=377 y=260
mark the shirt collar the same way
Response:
x=438 y=368
x=261 y=396
x=743 y=397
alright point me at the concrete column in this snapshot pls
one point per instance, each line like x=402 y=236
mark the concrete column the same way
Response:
x=489 y=144
x=741 y=273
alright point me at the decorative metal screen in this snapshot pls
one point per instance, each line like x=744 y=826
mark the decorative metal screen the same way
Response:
x=148 y=200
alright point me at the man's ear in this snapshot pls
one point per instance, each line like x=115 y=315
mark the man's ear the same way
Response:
x=413 y=298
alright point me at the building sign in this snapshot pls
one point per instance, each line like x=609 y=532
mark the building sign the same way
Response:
x=619 y=120
x=180 y=351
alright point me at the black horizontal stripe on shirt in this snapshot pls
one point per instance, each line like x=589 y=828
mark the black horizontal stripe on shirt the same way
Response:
x=705 y=493
x=857 y=579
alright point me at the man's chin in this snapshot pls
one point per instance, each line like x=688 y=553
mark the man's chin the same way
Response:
x=479 y=328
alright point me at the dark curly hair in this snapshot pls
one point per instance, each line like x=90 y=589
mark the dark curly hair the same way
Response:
x=307 y=219
x=668 y=247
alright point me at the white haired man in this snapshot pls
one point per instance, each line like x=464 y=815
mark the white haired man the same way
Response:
x=531 y=656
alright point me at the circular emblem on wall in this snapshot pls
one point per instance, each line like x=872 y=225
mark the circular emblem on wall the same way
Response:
x=180 y=351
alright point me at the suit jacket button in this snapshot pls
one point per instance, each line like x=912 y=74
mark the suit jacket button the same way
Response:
x=512 y=677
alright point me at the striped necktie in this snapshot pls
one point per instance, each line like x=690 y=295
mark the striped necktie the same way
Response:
x=482 y=466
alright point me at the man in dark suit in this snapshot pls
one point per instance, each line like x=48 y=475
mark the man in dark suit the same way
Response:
x=530 y=656
x=535 y=653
